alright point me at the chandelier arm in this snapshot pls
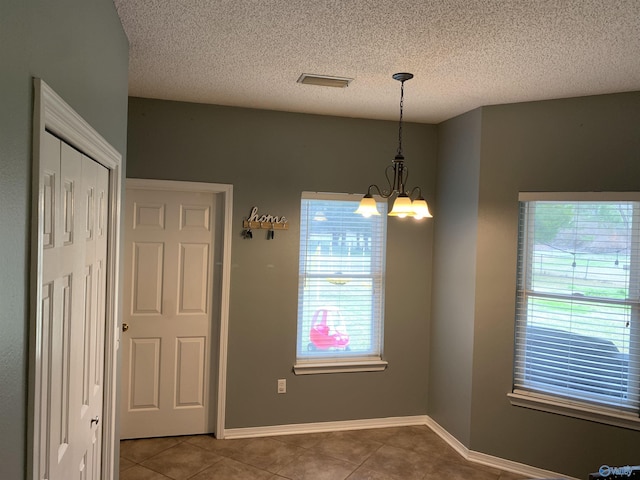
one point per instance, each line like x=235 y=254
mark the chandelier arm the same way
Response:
x=380 y=192
x=392 y=185
x=413 y=190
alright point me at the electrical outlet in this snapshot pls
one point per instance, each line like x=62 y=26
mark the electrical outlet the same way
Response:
x=282 y=385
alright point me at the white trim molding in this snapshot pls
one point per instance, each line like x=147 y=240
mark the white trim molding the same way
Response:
x=550 y=404
x=52 y=113
x=490 y=460
x=579 y=196
x=319 y=427
x=313 y=367
x=417 y=420
x=227 y=197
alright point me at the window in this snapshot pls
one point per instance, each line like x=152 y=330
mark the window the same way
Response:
x=577 y=330
x=341 y=285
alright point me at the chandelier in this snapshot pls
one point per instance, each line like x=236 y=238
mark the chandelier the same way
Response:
x=403 y=205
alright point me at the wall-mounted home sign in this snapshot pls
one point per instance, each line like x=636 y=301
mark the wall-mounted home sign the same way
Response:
x=266 y=221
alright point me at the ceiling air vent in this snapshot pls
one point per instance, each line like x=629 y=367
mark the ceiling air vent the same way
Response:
x=324 y=80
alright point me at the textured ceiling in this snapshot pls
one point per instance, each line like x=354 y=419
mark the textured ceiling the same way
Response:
x=463 y=53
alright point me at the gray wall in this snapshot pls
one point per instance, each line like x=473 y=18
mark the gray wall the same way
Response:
x=79 y=48
x=580 y=144
x=270 y=158
x=455 y=236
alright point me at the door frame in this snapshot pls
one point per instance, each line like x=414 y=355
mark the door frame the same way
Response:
x=51 y=113
x=226 y=193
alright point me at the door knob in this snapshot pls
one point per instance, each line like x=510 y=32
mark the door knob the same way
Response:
x=125 y=327
x=95 y=420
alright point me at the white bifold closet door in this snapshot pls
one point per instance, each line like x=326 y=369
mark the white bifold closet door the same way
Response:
x=75 y=213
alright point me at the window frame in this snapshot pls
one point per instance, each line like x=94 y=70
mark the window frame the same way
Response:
x=340 y=362
x=556 y=403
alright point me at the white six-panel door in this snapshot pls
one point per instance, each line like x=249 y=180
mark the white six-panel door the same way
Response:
x=167 y=348
x=74 y=238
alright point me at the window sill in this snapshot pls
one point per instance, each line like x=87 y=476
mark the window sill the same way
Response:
x=313 y=367
x=547 y=403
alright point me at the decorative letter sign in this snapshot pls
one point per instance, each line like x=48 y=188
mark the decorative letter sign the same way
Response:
x=266 y=221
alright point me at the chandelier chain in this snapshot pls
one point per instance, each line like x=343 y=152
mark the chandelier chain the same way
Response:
x=400 y=123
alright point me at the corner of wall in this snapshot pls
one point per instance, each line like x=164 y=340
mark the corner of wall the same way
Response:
x=453 y=311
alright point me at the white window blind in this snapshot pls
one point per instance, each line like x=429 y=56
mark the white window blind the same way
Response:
x=341 y=279
x=577 y=328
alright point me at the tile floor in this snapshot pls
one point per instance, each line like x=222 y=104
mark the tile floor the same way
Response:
x=403 y=453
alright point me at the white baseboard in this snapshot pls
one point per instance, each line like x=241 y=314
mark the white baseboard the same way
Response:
x=470 y=455
x=490 y=460
x=453 y=442
x=300 y=428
